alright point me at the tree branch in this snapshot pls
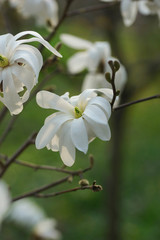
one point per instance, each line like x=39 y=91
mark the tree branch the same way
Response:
x=90 y=9
x=51 y=168
x=135 y=102
x=53 y=184
x=51 y=35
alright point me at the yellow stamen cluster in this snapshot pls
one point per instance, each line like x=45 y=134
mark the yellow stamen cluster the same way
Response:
x=3 y=61
x=78 y=113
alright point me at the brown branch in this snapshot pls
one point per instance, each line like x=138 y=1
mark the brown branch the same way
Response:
x=135 y=102
x=53 y=184
x=17 y=153
x=62 y=192
x=90 y=9
x=51 y=35
x=51 y=168
x=38 y=190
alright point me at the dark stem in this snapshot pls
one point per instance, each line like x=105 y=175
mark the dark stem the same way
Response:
x=135 y=102
x=90 y=9
x=51 y=35
x=62 y=192
x=51 y=168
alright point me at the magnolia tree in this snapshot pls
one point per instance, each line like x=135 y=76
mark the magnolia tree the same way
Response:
x=70 y=122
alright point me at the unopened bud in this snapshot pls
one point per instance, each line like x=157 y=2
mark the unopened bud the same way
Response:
x=70 y=179
x=83 y=182
x=117 y=93
x=116 y=65
x=108 y=76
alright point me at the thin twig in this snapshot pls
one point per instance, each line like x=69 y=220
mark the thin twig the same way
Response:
x=51 y=168
x=41 y=189
x=63 y=192
x=135 y=102
x=90 y=9
x=53 y=184
x=17 y=153
x=51 y=35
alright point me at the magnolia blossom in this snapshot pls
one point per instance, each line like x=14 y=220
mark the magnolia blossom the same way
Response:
x=78 y=121
x=20 y=65
x=90 y=59
x=30 y=216
x=5 y=200
x=98 y=80
x=130 y=8
x=46 y=229
x=150 y=7
x=44 y=11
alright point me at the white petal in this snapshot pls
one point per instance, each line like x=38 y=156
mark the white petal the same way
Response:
x=103 y=104
x=93 y=81
x=67 y=149
x=75 y=42
x=102 y=131
x=10 y=96
x=47 y=99
x=78 y=62
x=30 y=56
x=26 y=77
x=79 y=135
x=49 y=129
x=129 y=11
x=38 y=38
x=5 y=200
x=95 y=113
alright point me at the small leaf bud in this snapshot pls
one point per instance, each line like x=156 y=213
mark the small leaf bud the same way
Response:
x=111 y=64
x=83 y=182
x=108 y=77
x=116 y=65
x=70 y=179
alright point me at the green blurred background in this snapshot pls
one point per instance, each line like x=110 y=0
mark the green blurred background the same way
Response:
x=128 y=167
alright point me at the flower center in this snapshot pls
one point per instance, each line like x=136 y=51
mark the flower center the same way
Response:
x=3 y=61
x=78 y=113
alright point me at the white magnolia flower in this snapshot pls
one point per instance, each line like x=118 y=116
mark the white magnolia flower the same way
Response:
x=98 y=80
x=46 y=229
x=30 y=216
x=42 y=10
x=78 y=121
x=130 y=8
x=26 y=213
x=20 y=65
x=5 y=200
x=150 y=7
x=90 y=59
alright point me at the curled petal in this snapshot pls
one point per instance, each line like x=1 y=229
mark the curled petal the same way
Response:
x=38 y=38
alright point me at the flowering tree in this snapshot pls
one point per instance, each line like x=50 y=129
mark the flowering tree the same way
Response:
x=46 y=117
